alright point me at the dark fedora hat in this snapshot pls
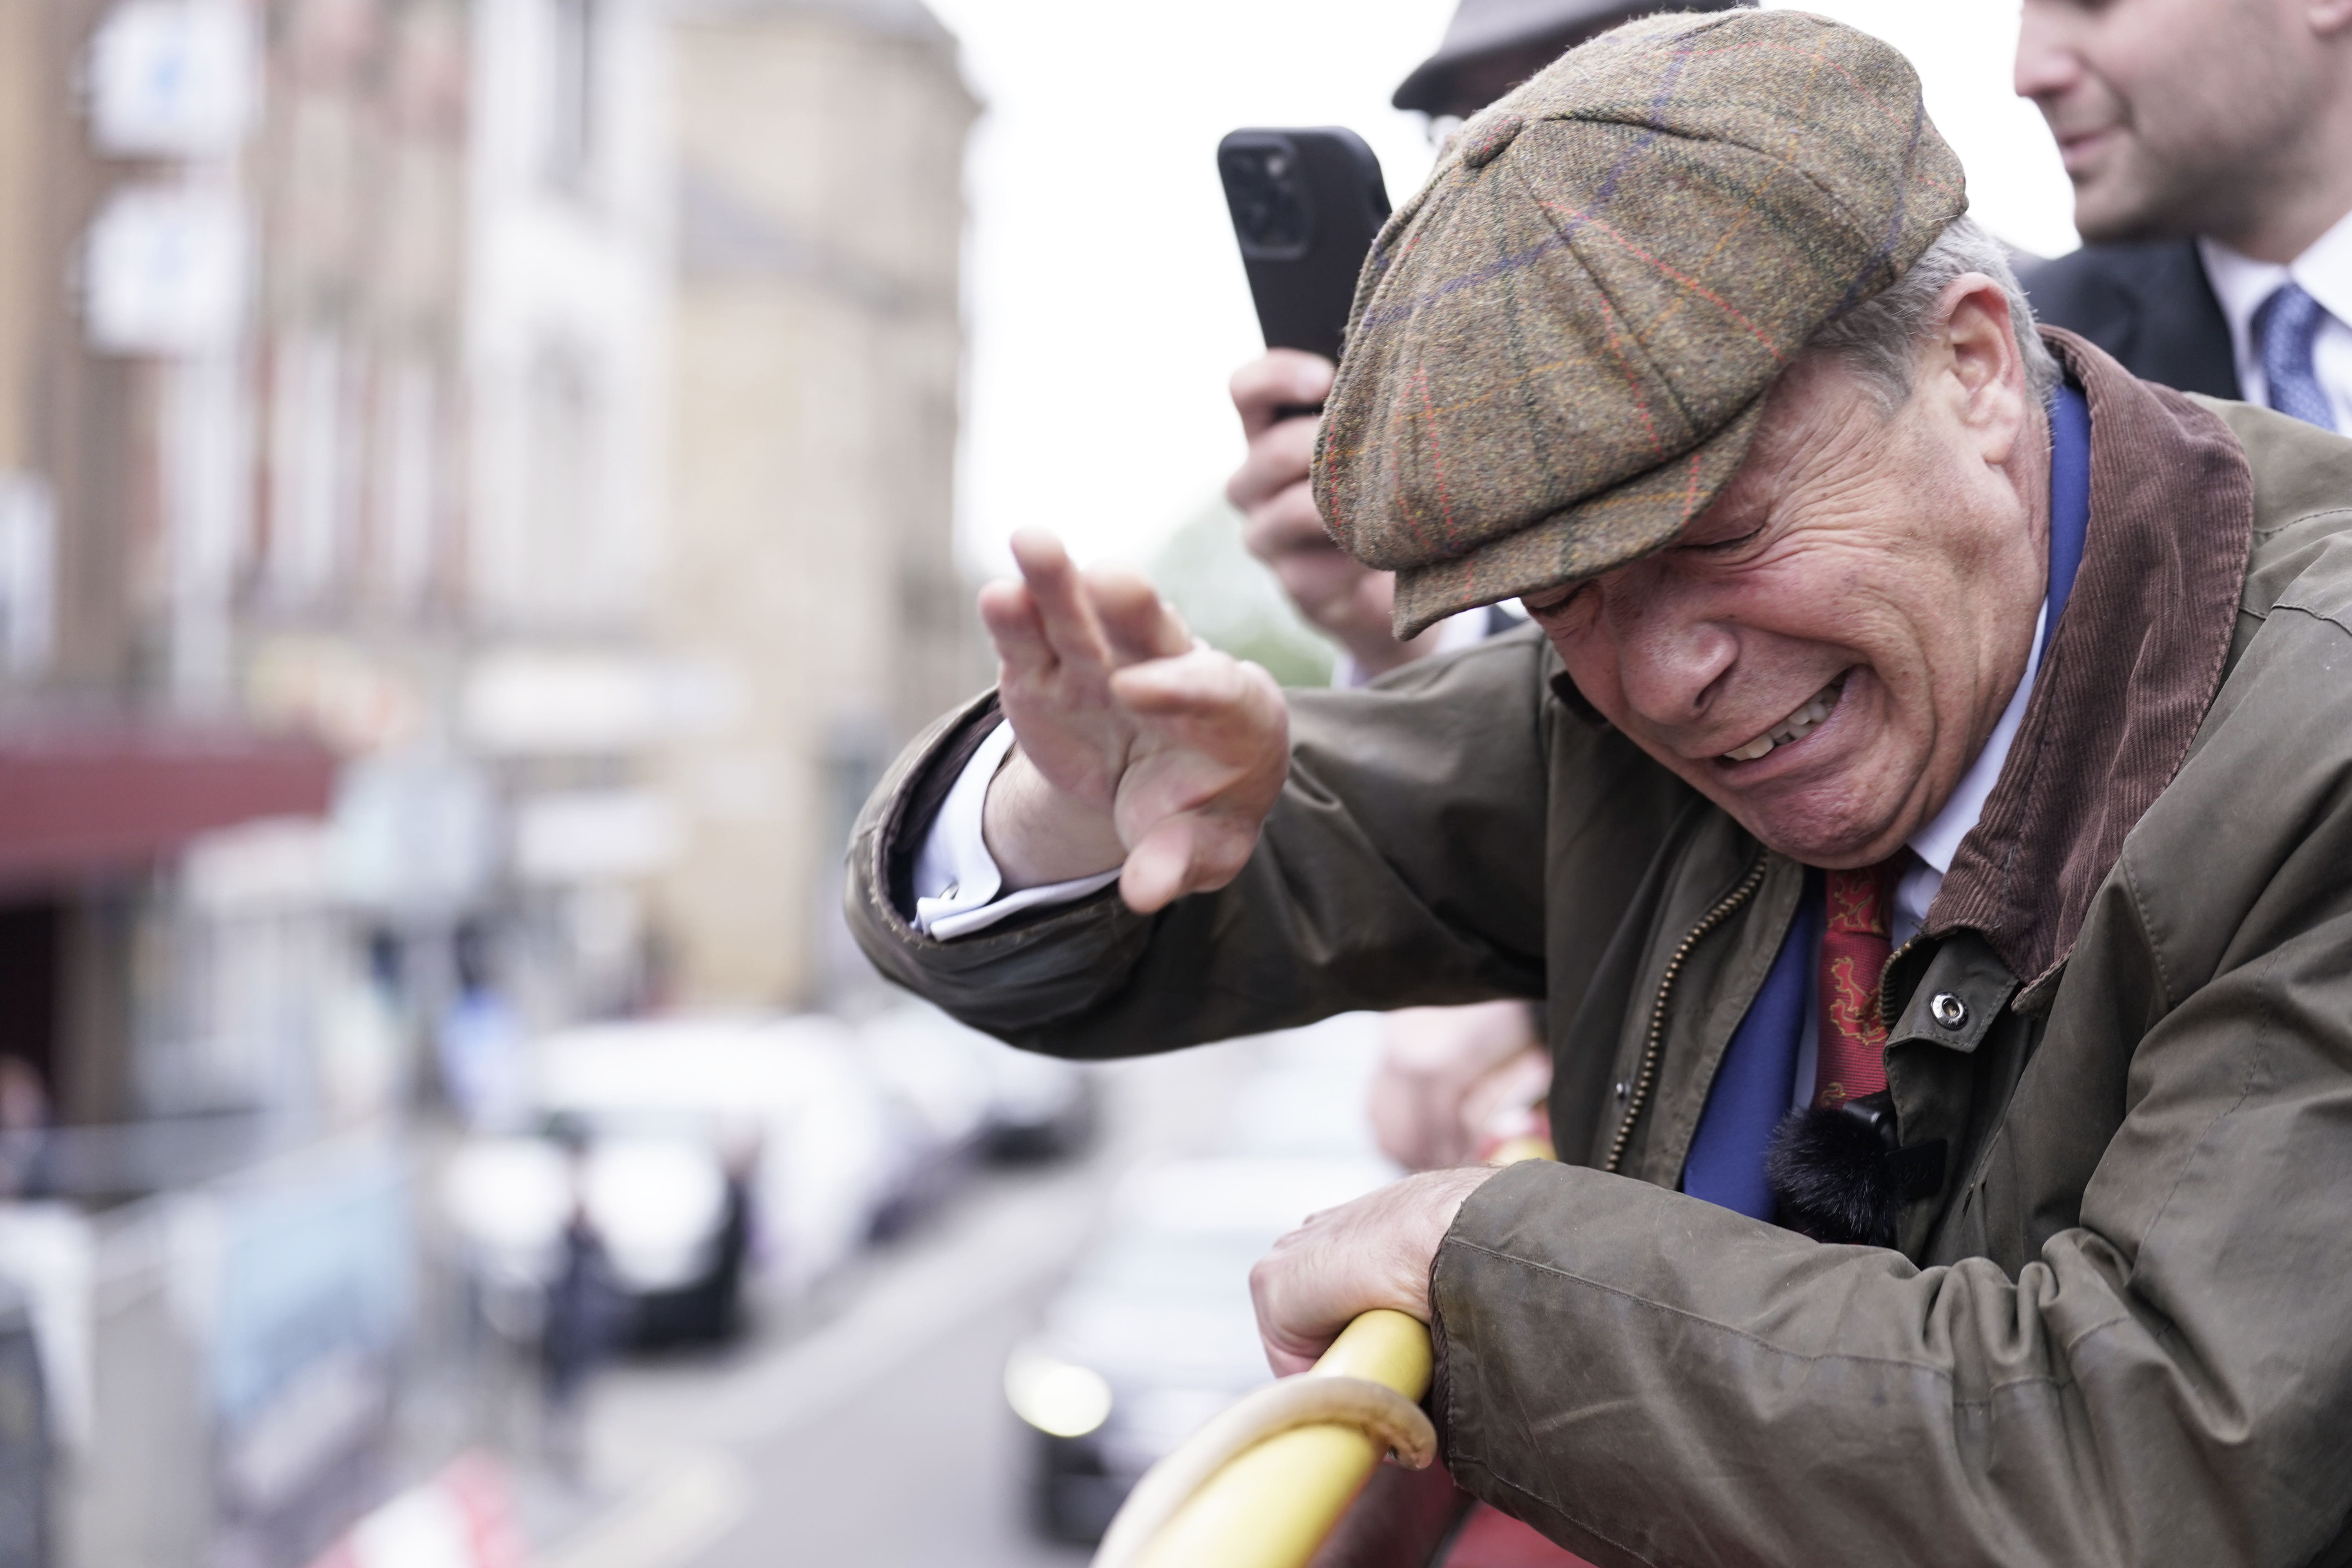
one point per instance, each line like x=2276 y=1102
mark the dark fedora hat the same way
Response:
x=1492 y=46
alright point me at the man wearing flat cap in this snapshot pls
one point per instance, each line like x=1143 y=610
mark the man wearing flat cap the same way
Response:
x=1924 y=805
x=1449 y=1080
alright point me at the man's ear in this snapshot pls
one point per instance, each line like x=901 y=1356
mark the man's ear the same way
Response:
x=1980 y=341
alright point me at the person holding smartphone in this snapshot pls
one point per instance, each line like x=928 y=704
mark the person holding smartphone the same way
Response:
x=1453 y=1080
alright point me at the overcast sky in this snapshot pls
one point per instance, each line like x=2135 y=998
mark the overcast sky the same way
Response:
x=1106 y=301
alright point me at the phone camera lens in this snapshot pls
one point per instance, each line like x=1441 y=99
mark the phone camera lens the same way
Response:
x=1268 y=200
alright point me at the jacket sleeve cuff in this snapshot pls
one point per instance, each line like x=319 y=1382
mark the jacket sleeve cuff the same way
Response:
x=1021 y=973
x=1451 y=1309
x=958 y=887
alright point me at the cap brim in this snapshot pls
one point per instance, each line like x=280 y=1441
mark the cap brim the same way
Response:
x=1597 y=534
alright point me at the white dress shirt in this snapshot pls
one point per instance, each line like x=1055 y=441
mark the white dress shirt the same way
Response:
x=957 y=880
x=2324 y=270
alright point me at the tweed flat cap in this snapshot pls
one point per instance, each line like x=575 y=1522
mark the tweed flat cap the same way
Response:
x=1559 y=349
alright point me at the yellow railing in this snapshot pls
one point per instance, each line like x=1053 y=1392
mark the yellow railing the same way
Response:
x=1271 y=1504
x=1263 y=1484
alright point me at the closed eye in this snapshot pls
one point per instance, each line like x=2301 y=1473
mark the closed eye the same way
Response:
x=1551 y=611
x=1724 y=546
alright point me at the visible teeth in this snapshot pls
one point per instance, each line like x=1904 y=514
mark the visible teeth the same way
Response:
x=1795 y=727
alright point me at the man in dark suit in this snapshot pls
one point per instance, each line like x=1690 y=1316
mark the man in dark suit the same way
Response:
x=2210 y=143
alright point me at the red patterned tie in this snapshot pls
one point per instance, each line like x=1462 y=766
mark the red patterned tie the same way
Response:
x=1855 y=950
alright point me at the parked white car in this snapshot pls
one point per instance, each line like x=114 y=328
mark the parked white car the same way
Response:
x=692 y=1147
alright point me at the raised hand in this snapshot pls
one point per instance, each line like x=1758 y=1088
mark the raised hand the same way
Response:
x=1136 y=746
x=1349 y=602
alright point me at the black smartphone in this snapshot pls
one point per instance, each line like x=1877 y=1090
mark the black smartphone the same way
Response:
x=1307 y=205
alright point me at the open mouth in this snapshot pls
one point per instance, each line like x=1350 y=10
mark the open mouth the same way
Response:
x=1808 y=716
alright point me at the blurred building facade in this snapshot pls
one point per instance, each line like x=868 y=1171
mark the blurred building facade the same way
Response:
x=817 y=346
x=330 y=402
x=330 y=380
x=121 y=245
x=567 y=691
x=475 y=505
x=194 y=305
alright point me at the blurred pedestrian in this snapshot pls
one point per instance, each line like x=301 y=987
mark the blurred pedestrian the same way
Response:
x=2210 y=142
x=23 y=1127
x=585 y=1321
x=1452 y=1081
x=25 y=1448
x=483 y=1046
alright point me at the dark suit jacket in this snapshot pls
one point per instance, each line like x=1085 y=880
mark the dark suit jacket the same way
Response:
x=2149 y=305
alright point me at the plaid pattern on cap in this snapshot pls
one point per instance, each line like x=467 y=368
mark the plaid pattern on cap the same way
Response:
x=1560 y=348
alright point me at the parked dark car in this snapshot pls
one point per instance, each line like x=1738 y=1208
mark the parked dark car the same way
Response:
x=1153 y=1334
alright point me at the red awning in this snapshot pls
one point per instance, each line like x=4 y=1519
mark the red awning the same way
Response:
x=97 y=796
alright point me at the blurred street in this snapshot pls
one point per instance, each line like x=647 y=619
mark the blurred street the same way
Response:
x=806 y=1440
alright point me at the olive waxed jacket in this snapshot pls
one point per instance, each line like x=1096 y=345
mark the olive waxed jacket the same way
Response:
x=2118 y=1327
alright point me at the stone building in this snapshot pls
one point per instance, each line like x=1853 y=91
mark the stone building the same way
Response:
x=816 y=348
x=330 y=380
x=566 y=691
x=129 y=138
x=331 y=387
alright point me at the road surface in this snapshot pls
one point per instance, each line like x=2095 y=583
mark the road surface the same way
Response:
x=869 y=1430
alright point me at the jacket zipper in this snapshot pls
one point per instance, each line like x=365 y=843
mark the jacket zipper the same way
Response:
x=1644 y=1080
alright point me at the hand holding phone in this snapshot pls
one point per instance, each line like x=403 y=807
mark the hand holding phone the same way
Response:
x=1307 y=205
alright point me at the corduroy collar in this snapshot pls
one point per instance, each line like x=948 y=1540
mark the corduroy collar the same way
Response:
x=2130 y=670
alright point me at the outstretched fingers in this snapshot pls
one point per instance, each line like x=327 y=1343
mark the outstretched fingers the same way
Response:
x=1057 y=593
x=1173 y=750
x=1010 y=613
x=1136 y=622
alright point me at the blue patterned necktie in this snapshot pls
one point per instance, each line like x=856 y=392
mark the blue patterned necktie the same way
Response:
x=2284 y=329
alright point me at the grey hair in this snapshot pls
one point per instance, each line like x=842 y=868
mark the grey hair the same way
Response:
x=1881 y=337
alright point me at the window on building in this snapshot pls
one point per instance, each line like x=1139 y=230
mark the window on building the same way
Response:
x=572 y=91
x=310 y=464
x=28 y=575
x=564 y=510
x=408 y=484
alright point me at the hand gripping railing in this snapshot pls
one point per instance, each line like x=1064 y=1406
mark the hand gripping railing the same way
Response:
x=1262 y=1485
